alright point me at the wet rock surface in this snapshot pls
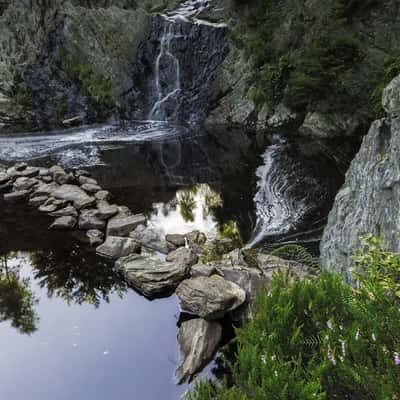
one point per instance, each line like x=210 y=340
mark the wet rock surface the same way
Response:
x=124 y=225
x=198 y=340
x=151 y=276
x=115 y=247
x=210 y=298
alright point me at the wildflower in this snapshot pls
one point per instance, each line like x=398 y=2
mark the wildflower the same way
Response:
x=341 y=327
x=358 y=334
x=263 y=359
x=343 y=343
x=396 y=359
x=329 y=324
x=273 y=358
x=331 y=357
x=373 y=337
x=276 y=373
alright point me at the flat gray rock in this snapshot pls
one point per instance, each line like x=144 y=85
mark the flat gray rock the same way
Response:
x=23 y=183
x=210 y=297
x=4 y=178
x=198 y=340
x=183 y=256
x=95 y=237
x=63 y=223
x=45 y=189
x=151 y=276
x=105 y=210
x=115 y=247
x=124 y=225
x=150 y=239
x=89 y=220
x=90 y=188
x=176 y=239
x=37 y=201
x=68 y=211
x=18 y=196
x=201 y=269
x=74 y=194
x=84 y=180
x=103 y=195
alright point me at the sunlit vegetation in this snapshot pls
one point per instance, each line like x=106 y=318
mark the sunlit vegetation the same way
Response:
x=321 y=338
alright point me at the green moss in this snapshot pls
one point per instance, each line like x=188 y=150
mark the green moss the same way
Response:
x=22 y=94
x=92 y=82
x=62 y=106
x=230 y=231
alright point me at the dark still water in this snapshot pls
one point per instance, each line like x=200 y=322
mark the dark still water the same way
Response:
x=71 y=329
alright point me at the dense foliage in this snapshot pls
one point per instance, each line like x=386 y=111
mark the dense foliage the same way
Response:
x=321 y=339
x=315 y=55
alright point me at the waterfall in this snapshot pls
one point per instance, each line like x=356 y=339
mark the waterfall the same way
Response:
x=158 y=111
x=171 y=87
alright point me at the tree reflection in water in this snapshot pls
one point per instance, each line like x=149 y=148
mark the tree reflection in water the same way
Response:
x=75 y=275
x=17 y=301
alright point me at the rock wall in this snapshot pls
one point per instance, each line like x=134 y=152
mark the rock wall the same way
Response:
x=64 y=59
x=198 y=49
x=369 y=201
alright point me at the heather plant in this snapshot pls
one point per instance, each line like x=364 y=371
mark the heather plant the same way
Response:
x=320 y=338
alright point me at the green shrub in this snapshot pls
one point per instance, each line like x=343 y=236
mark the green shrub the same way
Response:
x=97 y=86
x=320 y=339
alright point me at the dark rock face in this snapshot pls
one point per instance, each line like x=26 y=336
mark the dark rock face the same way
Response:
x=71 y=71
x=187 y=69
x=369 y=201
x=199 y=340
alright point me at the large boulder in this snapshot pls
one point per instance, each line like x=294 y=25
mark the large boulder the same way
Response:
x=198 y=340
x=115 y=247
x=89 y=219
x=210 y=297
x=73 y=194
x=183 y=256
x=124 y=225
x=269 y=265
x=151 y=239
x=151 y=276
x=63 y=223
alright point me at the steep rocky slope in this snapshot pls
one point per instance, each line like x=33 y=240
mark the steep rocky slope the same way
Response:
x=315 y=68
x=369 y=201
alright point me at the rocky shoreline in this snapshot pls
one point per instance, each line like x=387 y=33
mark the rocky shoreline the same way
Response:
x=154 y=264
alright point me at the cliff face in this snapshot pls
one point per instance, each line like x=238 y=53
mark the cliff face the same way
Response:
x=312 y=68
x=369 y=201
x=60 y=60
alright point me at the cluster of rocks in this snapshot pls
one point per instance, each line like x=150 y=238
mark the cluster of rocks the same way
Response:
x=73 y=198
x=154 y=264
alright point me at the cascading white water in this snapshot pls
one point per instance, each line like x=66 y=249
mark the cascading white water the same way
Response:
x=158 y=112
x=169 y=91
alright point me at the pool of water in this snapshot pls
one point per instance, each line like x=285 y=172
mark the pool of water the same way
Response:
x=71 y=327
